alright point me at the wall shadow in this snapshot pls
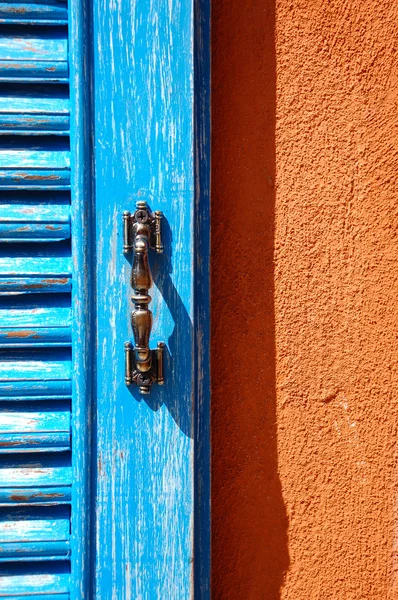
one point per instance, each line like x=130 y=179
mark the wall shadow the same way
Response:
x=249 y=521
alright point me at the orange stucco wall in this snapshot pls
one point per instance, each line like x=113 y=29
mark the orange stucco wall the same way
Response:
x=305 y=300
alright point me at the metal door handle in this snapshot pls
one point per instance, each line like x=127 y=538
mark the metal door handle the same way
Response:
x=141 y=231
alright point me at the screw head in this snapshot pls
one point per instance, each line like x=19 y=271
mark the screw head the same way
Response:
x=141 y=215
x=144 y=383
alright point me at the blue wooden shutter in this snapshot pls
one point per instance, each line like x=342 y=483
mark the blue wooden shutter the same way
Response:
x=44 y=348
x=149 y=128
x=151 y=136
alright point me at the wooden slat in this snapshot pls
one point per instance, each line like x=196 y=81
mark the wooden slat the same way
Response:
x=40 y=320
x=34 y=427
x=45 y=13
x=34 y=159
x=29 y=596
x=33 y=232
x=34 y=99
x=37 y=124
x=34 y=43
x=41 y=163
x=37 y=206
x=35 y=374
x=31 y=221
x=35 y=471
x=40 y=442
x=48 y=496
x=33 y=551
x=33 y=54
x=36 y=269
x=34 y=533
x=18 y=337
x=33 y=71
x=46 y=581
x=18 y=179
x=35 y=283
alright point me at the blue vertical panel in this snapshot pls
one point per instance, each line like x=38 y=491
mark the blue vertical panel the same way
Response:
x=82 y=296
x=144 y=150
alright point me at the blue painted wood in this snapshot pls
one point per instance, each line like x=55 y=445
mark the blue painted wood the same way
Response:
x=35 y=99
x=43 y=320
x=45 y=13
x=83 y=327
x=39 y=124
x=34 y=232
x=32 y=220
x=22 y=158
x=37 y=163
x=33 y=71
x=31 y=534
x=22 y=179
x=38 y=374
x=38 y=496
x=38 y=428
x=144 y=149
x=38 y=207
x=40 y=442
x=34 y=284
x=38 y=597
x=140 y=117
x=34 y=109
x=34 y=551
x=35 y=581
x=38 y=409
x=27 y=471
x=33 y=54
x=17 y=337
x=34 y=44
x=36 y=269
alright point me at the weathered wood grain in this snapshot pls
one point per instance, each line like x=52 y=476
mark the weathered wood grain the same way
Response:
x=33 y=219
x=35 y=471
x=83 y=336
x=34 y=581
x=42 y=427
x=37 y=403
x=144 y=150
x=33 y=373
x=130 y=118
x=34 y=44
x=28 y=533
x=35 y=269
x=45 y=13
x=43 y=320
x=39 y=496
x=33 y=54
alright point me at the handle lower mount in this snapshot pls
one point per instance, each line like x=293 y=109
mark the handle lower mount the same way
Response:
x=142 y=231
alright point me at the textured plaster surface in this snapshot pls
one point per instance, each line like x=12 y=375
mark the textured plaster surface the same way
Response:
x=305 y=300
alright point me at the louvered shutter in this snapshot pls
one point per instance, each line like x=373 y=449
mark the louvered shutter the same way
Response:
x=43 y=302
